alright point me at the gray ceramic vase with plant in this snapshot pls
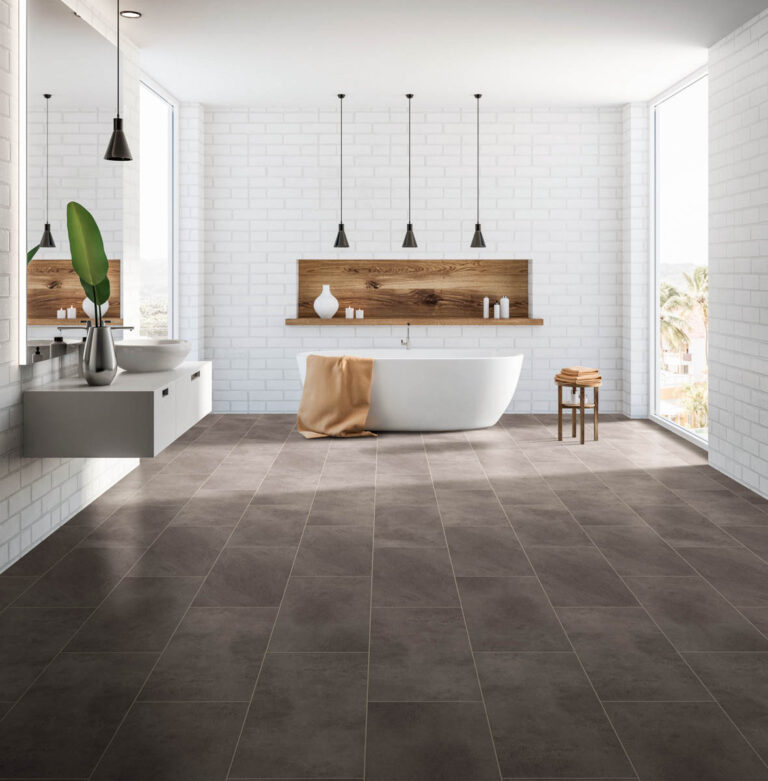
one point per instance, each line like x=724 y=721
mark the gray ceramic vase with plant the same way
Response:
x=91 y=265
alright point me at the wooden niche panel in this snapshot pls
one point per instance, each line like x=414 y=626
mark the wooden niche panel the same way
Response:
x=415 y=288
x=53 y=284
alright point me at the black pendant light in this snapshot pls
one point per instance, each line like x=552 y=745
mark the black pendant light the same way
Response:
x=410 y=239
x=47 y=240
x=477 y=238
x=341 y=237
x=118 y=149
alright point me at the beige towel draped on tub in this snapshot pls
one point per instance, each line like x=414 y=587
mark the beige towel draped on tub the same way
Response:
x=336 y=397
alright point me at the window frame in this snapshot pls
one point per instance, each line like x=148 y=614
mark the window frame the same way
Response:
x=149 y=83
x=653 y=243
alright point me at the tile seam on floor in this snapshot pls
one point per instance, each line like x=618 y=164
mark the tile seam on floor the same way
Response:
x=370 y=616
x=679 y=652
x=461 y=604
x=93 y=608
x=227 y=775
x=552 y=607
x=189 y=606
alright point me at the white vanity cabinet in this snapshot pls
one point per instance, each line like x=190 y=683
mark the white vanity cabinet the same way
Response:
x=138 y=415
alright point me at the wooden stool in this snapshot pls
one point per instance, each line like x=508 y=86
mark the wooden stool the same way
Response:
x=581 y=407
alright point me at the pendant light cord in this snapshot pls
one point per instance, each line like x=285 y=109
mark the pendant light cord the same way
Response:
x=47 y=168
x=477 y=97
x=341 y=158
x=409 y=157
x=118 y=58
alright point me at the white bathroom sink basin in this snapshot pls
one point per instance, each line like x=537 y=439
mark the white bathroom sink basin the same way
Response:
x=151 y=355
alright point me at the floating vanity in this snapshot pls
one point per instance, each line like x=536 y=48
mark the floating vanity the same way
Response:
x=137 y=416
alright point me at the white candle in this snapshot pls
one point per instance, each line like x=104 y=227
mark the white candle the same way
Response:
x=71 y=312
x=486 y=307
x=496 y=312
x=360 y=314
x=504 y=307
x=61 y=314
x=349 y=312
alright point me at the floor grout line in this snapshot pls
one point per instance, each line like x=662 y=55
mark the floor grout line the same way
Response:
x=370 y=617
x=186 y=612
x=463 y=614
x=92 y=609
x=277 y=613
x=554 y=610
x=647 y=612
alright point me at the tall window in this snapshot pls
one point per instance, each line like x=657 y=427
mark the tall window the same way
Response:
x=156 y=214
x=681 y=271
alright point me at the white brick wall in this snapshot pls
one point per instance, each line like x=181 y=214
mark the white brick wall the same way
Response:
x=36 y=495
x=552 y=190
x=191 y=225
x=635 y=277
x=78 y=172
x=738 y=262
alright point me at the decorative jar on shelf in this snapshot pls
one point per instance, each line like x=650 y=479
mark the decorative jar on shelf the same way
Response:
x=326 y=305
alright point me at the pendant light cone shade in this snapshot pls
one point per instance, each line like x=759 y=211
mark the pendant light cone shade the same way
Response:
x=118 y=149
x=341 y=237
x=47 y=239
x=477 y=239
x=410 y=238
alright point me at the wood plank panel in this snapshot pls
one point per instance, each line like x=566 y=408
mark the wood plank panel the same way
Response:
x=53 y=284
x=415 y=288
x=414 y=321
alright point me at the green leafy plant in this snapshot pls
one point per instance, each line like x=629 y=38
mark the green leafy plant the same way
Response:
x=88 y=256
x=696 y=402
x=31 y=253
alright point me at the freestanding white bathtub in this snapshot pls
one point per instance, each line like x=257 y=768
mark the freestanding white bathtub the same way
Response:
x=434 y=390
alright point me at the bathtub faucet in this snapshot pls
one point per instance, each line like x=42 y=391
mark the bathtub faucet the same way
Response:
x=407 y=341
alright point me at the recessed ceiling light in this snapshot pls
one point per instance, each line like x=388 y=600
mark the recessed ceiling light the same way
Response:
x=131 y=14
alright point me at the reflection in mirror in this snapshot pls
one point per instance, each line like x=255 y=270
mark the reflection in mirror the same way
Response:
x=69 y=60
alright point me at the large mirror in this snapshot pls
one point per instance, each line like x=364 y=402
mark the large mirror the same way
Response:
x=67 y=135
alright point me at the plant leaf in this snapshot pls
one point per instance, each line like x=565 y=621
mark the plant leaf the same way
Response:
x=31 y=253
x=100 y=291
x=86 y=245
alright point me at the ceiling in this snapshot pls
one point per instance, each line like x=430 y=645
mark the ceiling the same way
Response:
x=68 y=58
x=544 y=52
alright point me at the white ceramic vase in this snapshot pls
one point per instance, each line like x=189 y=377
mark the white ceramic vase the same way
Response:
x=90 y=308
x=326 y=304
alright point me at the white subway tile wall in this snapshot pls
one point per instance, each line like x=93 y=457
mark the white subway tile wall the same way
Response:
x=191 y=225
x=738 y=254
x=36 y=495
x=551 y=191
x=636 y=271
x=77 y=172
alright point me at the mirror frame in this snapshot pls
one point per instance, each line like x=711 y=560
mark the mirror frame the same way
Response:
x=21 y=189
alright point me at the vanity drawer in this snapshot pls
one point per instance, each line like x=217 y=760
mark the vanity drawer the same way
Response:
x=194 y=401
x=165 y=416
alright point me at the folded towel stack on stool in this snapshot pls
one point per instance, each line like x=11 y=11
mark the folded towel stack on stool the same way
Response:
x=579 y=375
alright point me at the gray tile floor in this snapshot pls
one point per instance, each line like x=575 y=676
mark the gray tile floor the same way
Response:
x=470 y=606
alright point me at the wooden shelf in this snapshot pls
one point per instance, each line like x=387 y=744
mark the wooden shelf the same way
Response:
x=415 y=321
x=67 y=321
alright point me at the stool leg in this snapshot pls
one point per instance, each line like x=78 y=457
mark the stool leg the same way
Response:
x=559 y=413
x=597 y=407
x=581 y=405
x=573 y=421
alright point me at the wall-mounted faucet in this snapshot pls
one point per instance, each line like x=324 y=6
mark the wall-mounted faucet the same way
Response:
x=407 y=341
